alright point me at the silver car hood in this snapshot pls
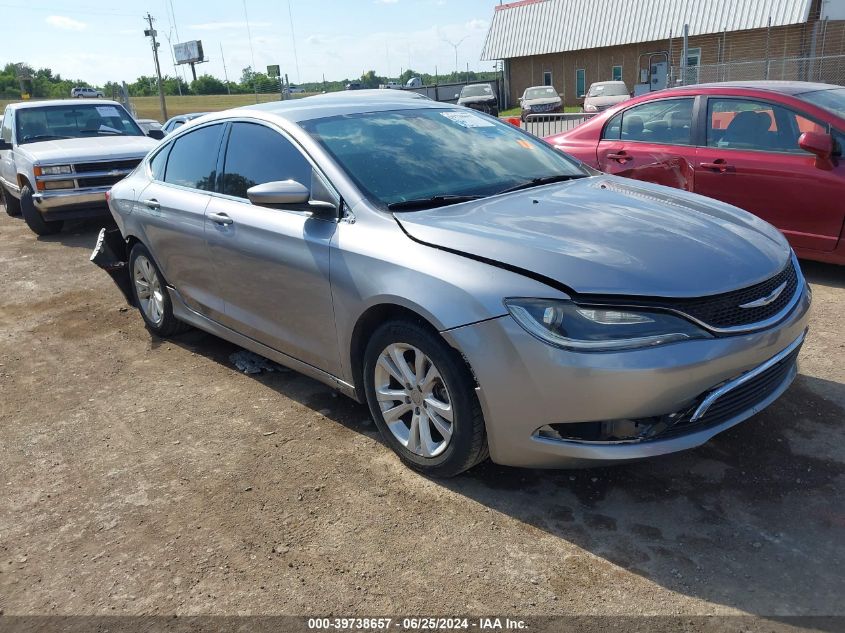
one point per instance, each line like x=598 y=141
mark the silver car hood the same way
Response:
x=606 y=235
x=73 y=150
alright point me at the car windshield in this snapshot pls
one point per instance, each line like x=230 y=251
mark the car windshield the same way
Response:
x=406 y=155
x=74 y=121
x=479 y=90
x=607 y=90
x=540 y=93
x=832 y=100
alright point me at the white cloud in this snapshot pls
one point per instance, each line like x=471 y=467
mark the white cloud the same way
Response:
x=65 y=23
x=476 y=25
x=219 y=26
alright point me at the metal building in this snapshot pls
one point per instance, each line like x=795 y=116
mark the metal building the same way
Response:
x=572 y=43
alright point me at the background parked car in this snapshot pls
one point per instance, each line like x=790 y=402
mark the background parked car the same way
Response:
x=772 y=148
x=479 y=97
x=59 y=158
x=605 y=94
x=540 y=100
x=179 y=120
x=81 y=92
x=149 y=125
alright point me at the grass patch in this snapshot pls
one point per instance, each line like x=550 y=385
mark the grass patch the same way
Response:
x=148 y=107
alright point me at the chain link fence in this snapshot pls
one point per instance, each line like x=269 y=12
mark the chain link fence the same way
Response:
x=829 y=69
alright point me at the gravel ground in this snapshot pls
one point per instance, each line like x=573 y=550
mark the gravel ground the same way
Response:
x=148 y=476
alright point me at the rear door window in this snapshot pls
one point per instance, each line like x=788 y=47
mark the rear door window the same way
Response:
x=193 y=159
x=256 y=154
x=667 y=122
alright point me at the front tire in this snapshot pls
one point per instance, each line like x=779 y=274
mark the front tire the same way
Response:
x=150 y=293
x=422 y=397
x=10 y=203
x=33 y=218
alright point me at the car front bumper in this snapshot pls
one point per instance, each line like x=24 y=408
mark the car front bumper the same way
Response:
x=525 y=385
x=70 y=204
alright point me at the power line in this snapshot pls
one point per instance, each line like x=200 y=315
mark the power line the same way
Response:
x=293 y=41
x=251 y=52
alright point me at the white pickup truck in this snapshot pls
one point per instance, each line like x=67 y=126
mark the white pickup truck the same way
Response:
x=59 y=158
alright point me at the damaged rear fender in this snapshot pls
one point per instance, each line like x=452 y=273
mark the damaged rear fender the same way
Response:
x=112 y=255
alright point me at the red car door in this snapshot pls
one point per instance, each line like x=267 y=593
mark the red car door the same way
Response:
x=751 y=159
x=651 y=141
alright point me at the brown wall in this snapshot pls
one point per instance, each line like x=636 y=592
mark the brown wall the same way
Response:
x=735 y=46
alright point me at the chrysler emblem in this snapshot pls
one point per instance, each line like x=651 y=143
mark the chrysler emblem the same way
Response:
x=764 y=301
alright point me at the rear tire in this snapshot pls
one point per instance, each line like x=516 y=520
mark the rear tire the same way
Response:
x=413 y=414
x=33 y=218
x=150 y=293
x=10 y=203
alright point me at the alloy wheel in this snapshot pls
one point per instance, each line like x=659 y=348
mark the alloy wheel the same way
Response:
x=414 y=400
x=149 y=290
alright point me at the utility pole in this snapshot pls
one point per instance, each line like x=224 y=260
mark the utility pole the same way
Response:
x=151 y=33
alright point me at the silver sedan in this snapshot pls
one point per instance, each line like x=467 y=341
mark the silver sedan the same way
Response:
x=482 y=292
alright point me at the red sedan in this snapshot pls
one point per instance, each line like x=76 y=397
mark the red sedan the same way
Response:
x=773 y=148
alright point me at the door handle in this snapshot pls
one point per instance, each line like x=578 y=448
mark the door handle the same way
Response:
x=621 y=157
x=220 y=218
x=720 y=165
x=152 y=203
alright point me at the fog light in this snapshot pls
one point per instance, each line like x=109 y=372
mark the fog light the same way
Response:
x=59 y=184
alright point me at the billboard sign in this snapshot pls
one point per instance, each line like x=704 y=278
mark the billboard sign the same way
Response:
x=273 y=70
x=188 y=52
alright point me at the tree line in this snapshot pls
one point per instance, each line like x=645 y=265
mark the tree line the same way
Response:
x=16 y=79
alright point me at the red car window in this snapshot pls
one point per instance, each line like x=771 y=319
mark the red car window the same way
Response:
x=755 y=125
x=666 y=122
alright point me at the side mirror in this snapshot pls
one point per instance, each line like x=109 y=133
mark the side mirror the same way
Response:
x=287 y=192
x=819 y=144
x=520 y=99
x=156 y=134
x=4 y=145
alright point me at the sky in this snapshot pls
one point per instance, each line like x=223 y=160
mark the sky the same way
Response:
x=104 y=41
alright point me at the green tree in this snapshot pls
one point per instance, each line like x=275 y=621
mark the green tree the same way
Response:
x=208 y=85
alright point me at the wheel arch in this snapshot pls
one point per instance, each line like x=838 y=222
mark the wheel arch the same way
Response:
x=368 y=322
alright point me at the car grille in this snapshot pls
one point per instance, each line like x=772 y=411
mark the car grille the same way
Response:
x=744 y=398
x=100 y=181
x=123 y=165
x=724 y=311
x=740 y=399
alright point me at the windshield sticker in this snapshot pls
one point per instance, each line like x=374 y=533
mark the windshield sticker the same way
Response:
x=106 y=111
x=467 y=119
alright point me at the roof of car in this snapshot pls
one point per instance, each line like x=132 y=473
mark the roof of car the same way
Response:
x=354 y=103
x=785 y=87
x=58 y=102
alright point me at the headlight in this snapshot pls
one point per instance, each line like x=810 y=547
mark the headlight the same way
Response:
x=598 y=329
x=590 y=108
x=55 y=170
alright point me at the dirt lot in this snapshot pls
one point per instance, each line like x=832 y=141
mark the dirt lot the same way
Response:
x=140 y=475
